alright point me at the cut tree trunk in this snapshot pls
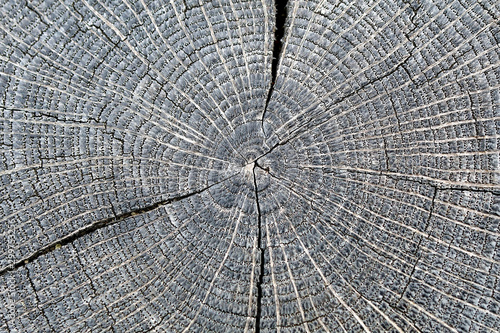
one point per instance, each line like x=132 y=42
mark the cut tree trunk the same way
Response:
x=249 y=166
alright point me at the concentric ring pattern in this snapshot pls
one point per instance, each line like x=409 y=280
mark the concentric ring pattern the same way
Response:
x=161 y=171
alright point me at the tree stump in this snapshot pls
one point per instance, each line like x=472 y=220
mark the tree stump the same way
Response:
x=249 y=166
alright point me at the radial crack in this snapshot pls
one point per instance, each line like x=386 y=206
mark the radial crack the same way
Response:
x=426 y=230
x=262 y=258
x=279 y=31
x=32 y=285
x=88 y=229
x=93 y=288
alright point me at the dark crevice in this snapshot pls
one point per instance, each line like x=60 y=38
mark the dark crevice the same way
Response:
x=279 y=32
x=410 y=278
x=297 y=131
x=353 y=236
x=37 y=13
x=90 y=228
x=401 y=65
x=477 y=126
x=77 y=12
x=270 y=151
x=262 y=257
x=94 y=290
x=426 y=230
x=386 y=154
x=395 y=112
x=266 y=169
x=431 y=210
x=32 y=285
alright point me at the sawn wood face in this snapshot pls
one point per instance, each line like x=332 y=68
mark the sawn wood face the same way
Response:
x=249 y=166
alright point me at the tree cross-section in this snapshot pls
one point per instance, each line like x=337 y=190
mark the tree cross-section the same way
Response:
x=249 y=166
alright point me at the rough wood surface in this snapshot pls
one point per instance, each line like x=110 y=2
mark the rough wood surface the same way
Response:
x=242 y=166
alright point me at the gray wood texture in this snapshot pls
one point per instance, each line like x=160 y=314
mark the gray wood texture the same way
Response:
x=161 y=171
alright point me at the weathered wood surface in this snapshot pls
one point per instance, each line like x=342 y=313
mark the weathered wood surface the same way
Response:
x=160 y=172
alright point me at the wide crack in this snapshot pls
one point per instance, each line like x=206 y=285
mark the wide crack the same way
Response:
x=280 y=18
x=279 y=32
x=262 y=252
x=37 y=298
x=281 y=13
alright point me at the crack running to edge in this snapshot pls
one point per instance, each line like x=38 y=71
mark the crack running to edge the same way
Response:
x=262 y=258
x=279 y=32
x=69 y=239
